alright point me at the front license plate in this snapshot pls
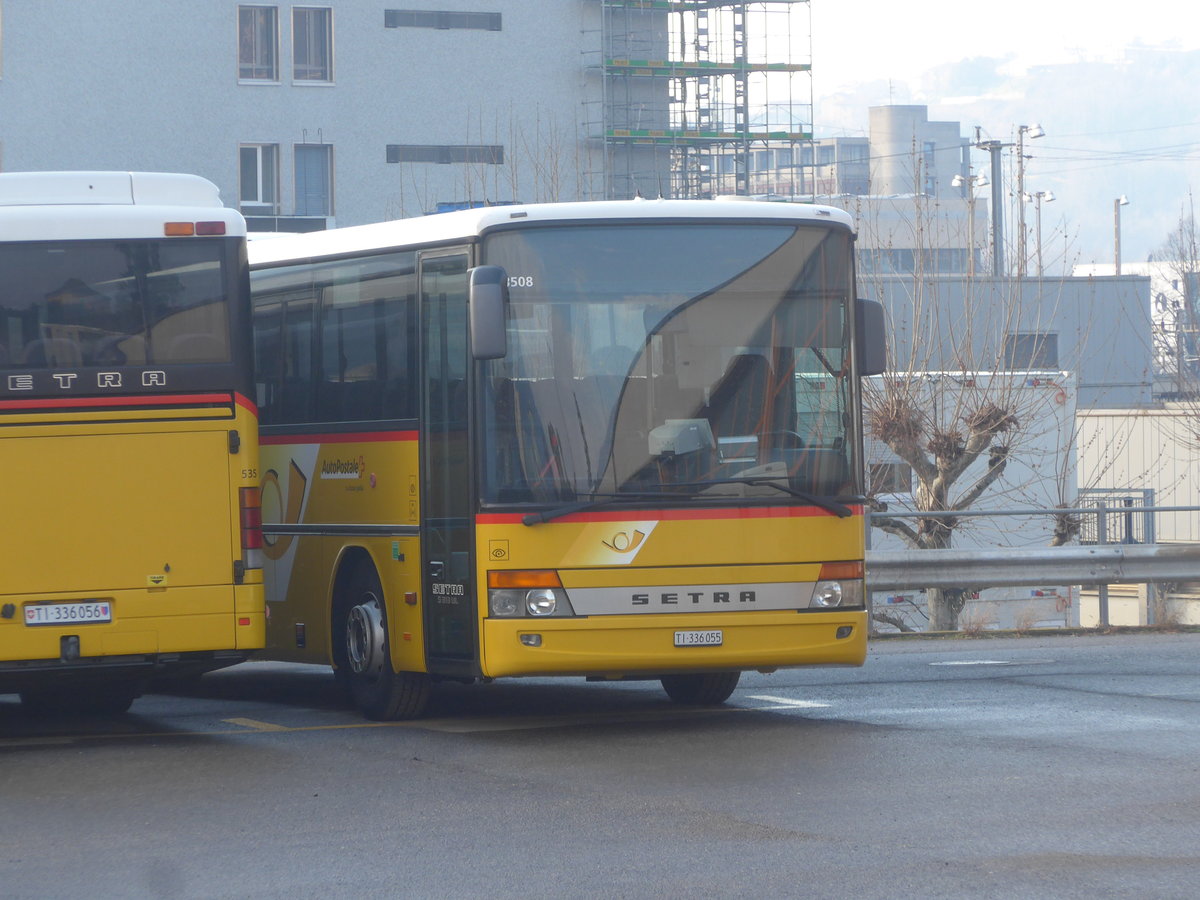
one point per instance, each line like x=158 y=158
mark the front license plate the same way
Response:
x=69 y=613
x=710 y=638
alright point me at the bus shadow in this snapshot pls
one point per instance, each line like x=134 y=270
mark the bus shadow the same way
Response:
x=302 y=686
x=285 y=684
x=23 y=729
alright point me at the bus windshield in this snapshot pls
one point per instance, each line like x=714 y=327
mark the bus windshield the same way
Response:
x=682 y=359
x=113 y=303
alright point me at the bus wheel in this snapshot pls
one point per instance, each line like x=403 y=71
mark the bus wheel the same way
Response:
x=377 y=690
x=105 y=699
x=709 y=689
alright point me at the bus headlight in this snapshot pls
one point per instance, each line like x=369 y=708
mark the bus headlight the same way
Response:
x=507 y=603
x=837 y=594
x=541 y=602
x=827 y=594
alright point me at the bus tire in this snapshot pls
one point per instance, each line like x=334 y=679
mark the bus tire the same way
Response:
x=365 y=656
x=709 y=689
x=105 y=699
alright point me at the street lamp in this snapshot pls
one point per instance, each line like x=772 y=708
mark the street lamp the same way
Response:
x=970 y=182
x=1117 y=204
x=1038 y=199
x=993 y=148
x=1023 y=131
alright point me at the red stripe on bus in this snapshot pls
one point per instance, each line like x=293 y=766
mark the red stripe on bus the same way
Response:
x=108 y=402
x=627 y=515
x=246 y=403
x=360 y=437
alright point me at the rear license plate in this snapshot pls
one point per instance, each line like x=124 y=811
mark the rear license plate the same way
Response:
x=711 y=638
x=69 y=613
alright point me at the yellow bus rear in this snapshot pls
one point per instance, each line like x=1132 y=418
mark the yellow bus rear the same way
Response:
x=129 y=442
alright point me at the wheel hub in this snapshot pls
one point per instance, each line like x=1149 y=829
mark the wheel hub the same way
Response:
x=365 y=638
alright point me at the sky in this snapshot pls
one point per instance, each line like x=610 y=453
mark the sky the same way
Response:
x=1113 y=85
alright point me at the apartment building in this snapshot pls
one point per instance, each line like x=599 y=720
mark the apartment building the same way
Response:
x=313 y=114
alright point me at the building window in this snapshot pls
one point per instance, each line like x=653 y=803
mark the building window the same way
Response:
x=258 y=43
x=890 y=478
x=444 y=154
x=430 y=18
x=259 y=178
x=312 y=43
x=1034 y=350
x=929 y=169
x=314 y=179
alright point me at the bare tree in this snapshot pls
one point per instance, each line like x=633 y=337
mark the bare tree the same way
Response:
x=944 y=409
x=1178 y=308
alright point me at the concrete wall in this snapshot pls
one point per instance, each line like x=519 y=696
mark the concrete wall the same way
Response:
x=898 y=138
x=954 y=323
x=1138 y=449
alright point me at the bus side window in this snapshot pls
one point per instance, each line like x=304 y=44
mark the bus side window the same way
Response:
x=367 y=344
x=267 y=322
x=295 y=404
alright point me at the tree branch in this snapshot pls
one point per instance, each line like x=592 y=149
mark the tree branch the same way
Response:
x=996 y=466
x=898 y=528
x=894 y=621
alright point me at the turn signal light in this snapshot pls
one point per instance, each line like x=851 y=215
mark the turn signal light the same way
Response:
x=524 y=578
x=832 y=571
x=251 y=518
x=187 y=229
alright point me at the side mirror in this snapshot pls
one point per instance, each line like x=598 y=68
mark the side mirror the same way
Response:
x=487 y=305
x=870 y=341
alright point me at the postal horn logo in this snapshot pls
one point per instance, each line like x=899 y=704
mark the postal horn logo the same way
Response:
x=624 y=542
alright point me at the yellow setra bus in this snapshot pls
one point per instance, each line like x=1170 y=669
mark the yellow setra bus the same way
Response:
x=130 y=542
x=610 y=440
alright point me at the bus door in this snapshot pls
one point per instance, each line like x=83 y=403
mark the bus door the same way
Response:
x=449 y=602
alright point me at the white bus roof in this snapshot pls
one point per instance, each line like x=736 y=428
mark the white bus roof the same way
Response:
x=141 y=188
x=38 y=206
x=468 y=223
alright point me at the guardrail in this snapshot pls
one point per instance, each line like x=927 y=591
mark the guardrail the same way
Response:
x=1100 y=564
x=889 y=570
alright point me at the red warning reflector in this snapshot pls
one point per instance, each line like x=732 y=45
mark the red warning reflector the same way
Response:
x=210 y=228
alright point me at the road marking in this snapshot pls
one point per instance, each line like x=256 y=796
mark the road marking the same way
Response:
x=36 y=742
x=974 y=662
x=785 y=703
x=256 y=725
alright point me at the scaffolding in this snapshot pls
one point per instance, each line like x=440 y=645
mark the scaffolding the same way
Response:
x=706 y=97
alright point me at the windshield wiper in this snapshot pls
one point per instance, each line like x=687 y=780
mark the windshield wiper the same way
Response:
x=829 y=504
x=596 y=500
x=826 y=503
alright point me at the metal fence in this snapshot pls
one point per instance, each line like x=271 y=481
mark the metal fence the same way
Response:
x=1116 y=546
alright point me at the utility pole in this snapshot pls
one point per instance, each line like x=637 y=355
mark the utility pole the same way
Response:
x=1034 y=131
x=994 y=147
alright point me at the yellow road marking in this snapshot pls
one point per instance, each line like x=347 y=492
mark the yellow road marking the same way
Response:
x=256 y=725
x=36 y=741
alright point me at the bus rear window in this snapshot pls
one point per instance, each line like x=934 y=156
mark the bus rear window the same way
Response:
x=74 y=304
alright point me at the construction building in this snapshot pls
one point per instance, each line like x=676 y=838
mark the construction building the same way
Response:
x=701 y=96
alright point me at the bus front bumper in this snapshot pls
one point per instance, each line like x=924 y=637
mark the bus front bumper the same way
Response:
x=646 y=645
